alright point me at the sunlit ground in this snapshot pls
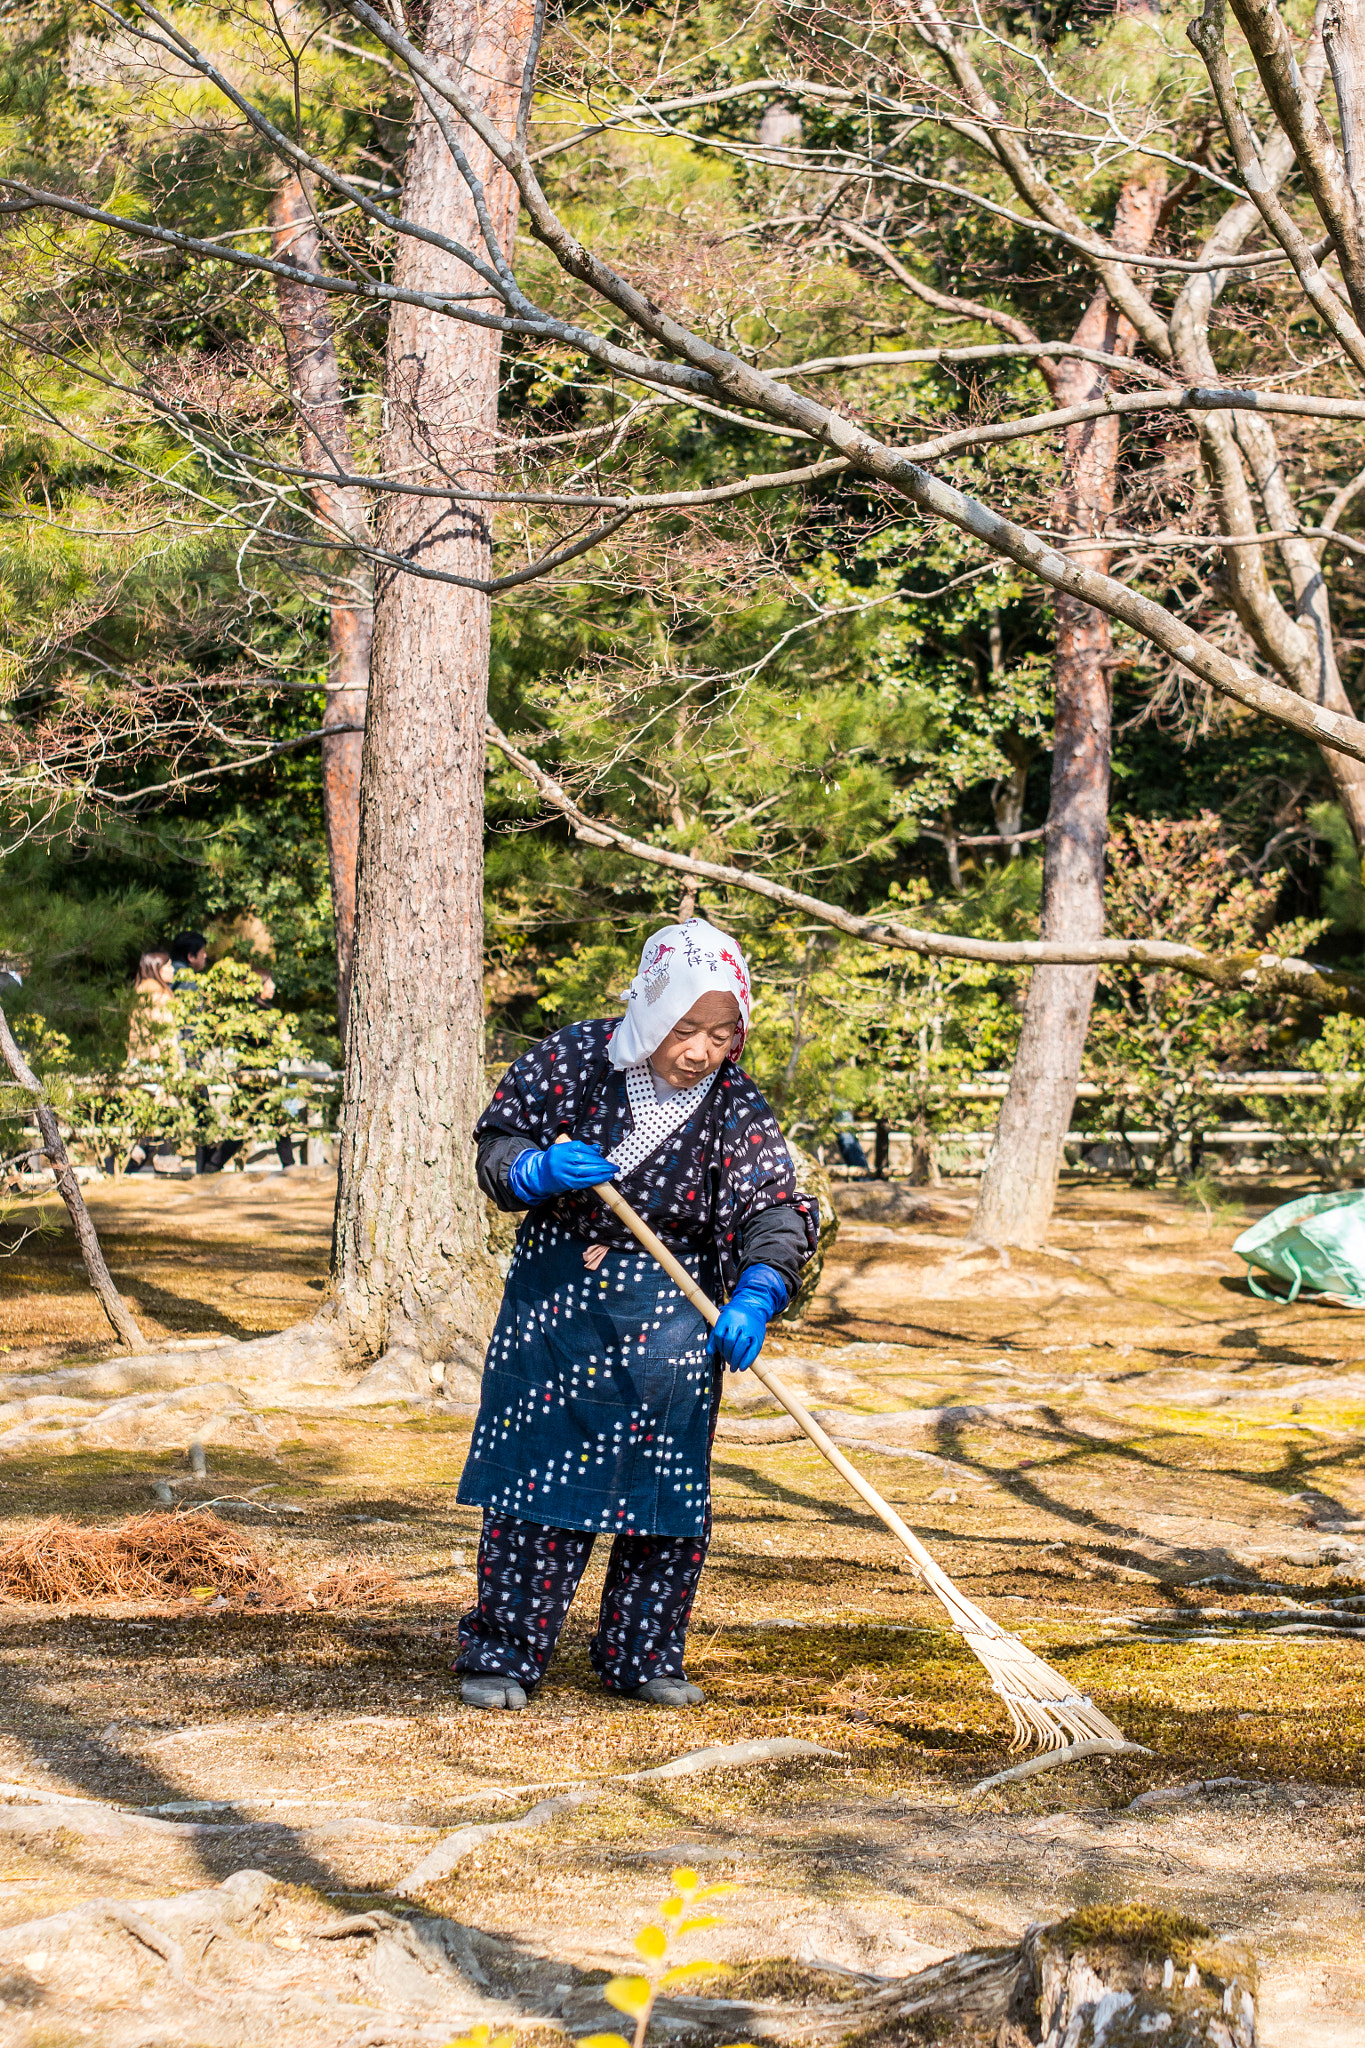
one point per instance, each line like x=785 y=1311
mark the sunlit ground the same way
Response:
x=1154 y=1478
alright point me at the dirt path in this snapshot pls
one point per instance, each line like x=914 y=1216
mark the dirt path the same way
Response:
x=1112 y=1446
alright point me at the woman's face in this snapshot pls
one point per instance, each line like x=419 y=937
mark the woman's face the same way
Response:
x=698 y=1042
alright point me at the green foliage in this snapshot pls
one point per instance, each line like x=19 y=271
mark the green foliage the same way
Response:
x=271 y=861
x=76 y=949
x=49 y=1054
x=1329 y=1126
x=224 y=1027
x=1343 y=895
x=844 y=1027
x=1204 y=1191
x=223 y=1065
x=1159 y=1041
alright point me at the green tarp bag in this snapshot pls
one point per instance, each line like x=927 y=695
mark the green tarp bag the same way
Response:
x=1315 y=1243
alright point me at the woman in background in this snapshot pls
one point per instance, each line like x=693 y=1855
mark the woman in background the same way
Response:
x=152 y=1048
x=153 y=1022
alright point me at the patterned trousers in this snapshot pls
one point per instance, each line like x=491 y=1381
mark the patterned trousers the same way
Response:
x=528 y=1575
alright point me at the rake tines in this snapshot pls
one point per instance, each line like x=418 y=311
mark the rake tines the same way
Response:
x=1041 y=1705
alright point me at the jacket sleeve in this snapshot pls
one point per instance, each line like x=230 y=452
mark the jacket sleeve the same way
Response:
x=776 y=1236
x=498 y=1150
x=763 y=1220
x=547 y=1089
x=521 y=1100
x=544 y=1089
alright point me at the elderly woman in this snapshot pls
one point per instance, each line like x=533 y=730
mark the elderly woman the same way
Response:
x=602 y=1384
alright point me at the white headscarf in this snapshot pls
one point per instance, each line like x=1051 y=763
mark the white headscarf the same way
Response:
x=679 y=964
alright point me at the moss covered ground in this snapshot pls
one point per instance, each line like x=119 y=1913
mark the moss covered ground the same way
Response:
x=1111 y=1446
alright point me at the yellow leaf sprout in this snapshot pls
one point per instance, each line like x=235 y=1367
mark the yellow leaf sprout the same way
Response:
x=684 y=1973
x=629 y=1995
x=684 y=1880
x=651 y=1942
x=698 y=1920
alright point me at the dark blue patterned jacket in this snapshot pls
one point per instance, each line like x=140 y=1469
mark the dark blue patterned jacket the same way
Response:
x=725 y=1178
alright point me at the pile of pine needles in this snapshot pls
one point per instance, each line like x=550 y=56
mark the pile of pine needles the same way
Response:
x=152 y=1557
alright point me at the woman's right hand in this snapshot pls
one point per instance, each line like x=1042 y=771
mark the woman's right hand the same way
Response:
x=563 y=1170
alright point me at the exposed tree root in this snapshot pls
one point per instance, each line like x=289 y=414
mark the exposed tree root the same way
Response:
x=249 y=1960
x=726 y=1756
x=732 y=1756
x=1053 y=1759
x=440 y=1861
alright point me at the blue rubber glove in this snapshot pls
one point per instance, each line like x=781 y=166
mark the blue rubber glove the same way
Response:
x=738 y=1336
x=562 y=1170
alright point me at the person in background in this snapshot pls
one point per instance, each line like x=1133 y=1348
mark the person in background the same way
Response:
x=153 y=1008
x=151 y=1041
x=850 y=1151
x=189 y=953
x=190 y=959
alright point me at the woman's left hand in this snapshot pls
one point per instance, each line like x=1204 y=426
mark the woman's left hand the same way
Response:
x=738 y=1335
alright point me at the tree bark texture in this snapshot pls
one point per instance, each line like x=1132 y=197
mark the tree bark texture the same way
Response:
x=1343 y=33
x=1019 y=1185
x=411 y=1273
x=121 y=1319
x=325 y=443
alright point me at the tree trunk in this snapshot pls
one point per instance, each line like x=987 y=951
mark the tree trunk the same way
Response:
x=1019 y=1185
x=325 y=443
x=411 y=1273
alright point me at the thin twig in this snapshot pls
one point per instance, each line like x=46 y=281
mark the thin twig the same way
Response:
x=110 y=1300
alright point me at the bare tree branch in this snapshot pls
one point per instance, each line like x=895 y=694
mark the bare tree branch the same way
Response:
x=1265 y=973
x=1207 y=36
x=121 y=1319
x=131 y=799
x=1295 y=104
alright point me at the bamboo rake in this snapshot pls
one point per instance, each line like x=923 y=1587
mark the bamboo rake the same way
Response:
x=1041 y=1705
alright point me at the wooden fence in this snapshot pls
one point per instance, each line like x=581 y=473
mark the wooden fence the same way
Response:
x=1236 y=1143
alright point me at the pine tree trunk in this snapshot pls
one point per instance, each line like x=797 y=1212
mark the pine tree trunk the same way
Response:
x=325 y=444
x=1019 y=1185
x=411 y=1273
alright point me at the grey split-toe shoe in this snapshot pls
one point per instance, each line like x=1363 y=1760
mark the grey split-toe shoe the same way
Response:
x=488 y=1690
x=668 y=1692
